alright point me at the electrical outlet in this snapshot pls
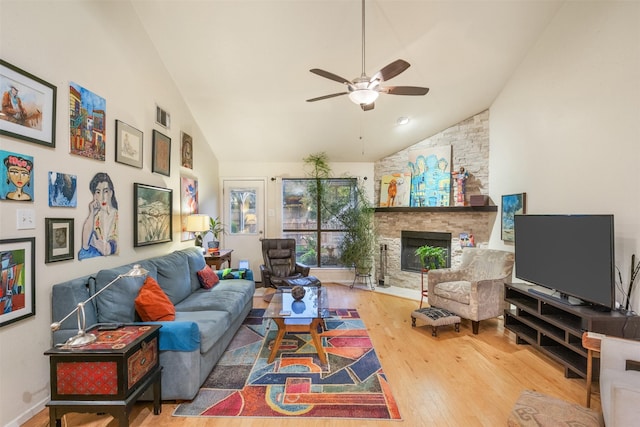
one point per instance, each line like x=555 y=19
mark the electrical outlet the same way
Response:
x=26 y=219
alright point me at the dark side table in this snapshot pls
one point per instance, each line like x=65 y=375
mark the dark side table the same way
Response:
x=108 y=375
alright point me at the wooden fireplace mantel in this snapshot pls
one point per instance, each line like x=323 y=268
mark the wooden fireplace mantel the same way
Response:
x=461 y=209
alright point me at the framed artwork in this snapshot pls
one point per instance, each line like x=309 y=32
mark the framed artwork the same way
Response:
x=16 y=175
x=128 y=145
x=152 y=222
x=430 y=176
x=512 y=204
x=18 y=286
x=161 y=154
x=395 y=190
x=59 y=239
x=186 y=151
x=63 y=190
x=28 y=106
x=87 y=123
x=188 y=205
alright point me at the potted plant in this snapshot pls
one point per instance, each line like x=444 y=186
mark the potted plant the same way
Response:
x=216 y=227
x=431 y=257
x=358 y=245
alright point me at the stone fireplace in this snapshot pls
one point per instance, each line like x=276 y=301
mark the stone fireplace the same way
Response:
x=451 y=221
x=412 y=240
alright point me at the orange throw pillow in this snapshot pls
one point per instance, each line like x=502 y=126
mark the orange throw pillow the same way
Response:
x=152 y=304
x=208 y=278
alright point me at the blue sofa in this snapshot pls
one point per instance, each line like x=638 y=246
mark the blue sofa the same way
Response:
x=206 y=319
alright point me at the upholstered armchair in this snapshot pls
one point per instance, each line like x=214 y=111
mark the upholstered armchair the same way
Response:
x=620 y=381
x=475 y=290
x=279 y=257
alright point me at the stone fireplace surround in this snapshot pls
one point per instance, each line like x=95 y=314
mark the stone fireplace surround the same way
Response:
x=469 y=141
x=390 y=224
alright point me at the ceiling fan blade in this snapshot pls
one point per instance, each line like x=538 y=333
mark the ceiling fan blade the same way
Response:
x=326 y=96
x=390 y=71
x=367 y=107
x=330 y=76
x=405 y=90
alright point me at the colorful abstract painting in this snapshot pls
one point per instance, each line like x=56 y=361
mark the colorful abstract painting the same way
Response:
x=63 y=190
x=188 y=205
x=87 y=121
x=430 y=176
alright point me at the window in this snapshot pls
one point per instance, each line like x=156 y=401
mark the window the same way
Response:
x=310 y=212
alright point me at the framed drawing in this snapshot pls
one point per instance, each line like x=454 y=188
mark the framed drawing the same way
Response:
x=28 y=106
x=128 y=145
x=161 y=162
x=59 y=239
x=18 y=289
x=152 y=222
x=186 y=151
x=512 y=204
x=87 y=123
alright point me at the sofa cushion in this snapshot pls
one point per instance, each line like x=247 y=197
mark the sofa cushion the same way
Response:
x=173 y=275
x=178 y=336
x=116 y=303
x=228 y=295
x=196 y=262
x=152 y=304
x=208 y=277
x=211 y=324
x=457 y=291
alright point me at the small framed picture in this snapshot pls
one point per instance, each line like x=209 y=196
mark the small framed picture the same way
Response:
x=59 y=239
x=512 y=205
x=186 y=151
x=152 y=221
x=18 y=288
x=128 y=145
x=161 y=154
x=163 y=118
x=28 y=106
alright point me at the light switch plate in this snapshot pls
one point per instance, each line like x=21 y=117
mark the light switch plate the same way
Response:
x=25 y=219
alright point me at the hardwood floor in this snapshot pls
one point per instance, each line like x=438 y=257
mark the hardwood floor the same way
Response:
x=456 y=379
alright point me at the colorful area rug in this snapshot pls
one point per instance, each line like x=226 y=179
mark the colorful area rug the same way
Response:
x=296 y=384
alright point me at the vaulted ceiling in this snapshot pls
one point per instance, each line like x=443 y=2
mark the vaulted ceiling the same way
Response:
x=243 y=68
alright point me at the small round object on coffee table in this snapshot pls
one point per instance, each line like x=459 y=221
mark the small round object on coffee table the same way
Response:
x=298 y=293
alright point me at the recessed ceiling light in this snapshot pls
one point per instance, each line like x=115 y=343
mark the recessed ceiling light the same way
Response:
x=402 y=120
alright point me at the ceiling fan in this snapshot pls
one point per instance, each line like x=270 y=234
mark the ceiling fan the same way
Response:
x=364 y=90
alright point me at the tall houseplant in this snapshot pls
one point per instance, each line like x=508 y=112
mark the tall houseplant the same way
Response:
x=431 y=257
x=217 y=228
x=358 y=245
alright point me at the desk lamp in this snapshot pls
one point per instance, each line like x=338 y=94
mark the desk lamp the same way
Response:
x=82 y=338
x=198 y=224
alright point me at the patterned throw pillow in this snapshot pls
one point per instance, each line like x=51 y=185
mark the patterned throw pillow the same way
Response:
x=208 y=278
x=152 y=304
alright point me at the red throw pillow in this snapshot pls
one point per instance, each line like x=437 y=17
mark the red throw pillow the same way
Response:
x=208 y=278
x=152 y=304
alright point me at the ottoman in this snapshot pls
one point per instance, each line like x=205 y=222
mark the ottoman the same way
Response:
x=435 y=317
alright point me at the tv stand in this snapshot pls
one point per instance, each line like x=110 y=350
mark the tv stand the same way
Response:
x=555 y=328
x=562 y=299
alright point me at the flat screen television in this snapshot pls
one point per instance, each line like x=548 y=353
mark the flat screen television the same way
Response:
x=572 y=255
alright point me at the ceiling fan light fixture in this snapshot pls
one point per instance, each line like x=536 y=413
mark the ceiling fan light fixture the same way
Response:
x=363 y=96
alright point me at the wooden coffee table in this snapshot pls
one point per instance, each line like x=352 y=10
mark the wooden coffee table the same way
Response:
x=304 y=316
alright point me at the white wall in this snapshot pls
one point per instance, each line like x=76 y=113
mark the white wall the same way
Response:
x=566 y=128
x=100 y=46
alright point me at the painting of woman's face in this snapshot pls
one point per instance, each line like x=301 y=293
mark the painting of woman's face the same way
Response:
x=19 y=176
x=103 y=195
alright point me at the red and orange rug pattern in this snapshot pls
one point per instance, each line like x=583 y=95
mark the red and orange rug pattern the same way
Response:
x=352 y=385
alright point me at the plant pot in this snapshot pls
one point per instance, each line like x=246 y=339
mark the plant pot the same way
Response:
x=214 y=246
